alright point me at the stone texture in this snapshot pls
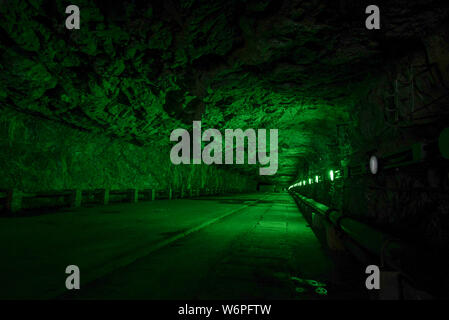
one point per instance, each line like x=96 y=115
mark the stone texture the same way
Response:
x=138 y=70
x=42 y=155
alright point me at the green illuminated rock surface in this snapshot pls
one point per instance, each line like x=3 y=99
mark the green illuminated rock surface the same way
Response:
x=94 y=108
x=137 y=71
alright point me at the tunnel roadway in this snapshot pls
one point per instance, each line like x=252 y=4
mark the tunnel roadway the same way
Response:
x=252 y=246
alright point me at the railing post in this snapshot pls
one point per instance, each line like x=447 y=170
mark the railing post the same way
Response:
x=182 y=192
x=76 y=199
x=14 y=200
x=170 y=193
x=134 y=195
x=153 y=194
x=104 y=196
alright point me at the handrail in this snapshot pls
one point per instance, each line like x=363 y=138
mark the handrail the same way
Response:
x=13 y=198
x=370 y=238
x=393 y=252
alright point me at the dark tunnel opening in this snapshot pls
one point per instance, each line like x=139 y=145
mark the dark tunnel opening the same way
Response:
x=295 y=149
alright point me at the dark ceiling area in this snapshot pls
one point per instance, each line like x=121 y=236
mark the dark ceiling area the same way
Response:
x=136 y=70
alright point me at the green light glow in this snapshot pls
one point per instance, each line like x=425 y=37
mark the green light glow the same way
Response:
x=316 y=179
x=304 y=182
x=337 y=174
x=310 y=181
x=331 y=175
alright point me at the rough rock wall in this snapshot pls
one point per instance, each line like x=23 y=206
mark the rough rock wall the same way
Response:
x=408 y=104
x=138 y=69
x=41 y=155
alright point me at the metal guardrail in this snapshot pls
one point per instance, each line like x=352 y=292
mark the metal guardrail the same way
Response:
x=371 y=239
x=13 y=200
x=412 y=262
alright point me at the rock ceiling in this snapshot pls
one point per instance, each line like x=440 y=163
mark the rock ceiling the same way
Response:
x=137 y=70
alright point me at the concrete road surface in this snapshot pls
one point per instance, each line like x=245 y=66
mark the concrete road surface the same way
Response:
x=253 y=246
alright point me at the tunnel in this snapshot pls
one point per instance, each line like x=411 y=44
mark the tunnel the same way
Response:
x=224 y=150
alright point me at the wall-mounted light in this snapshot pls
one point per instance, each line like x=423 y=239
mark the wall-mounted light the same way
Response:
x=310 y=181
x=331 y=175
x=373 y=164
x=316 y=179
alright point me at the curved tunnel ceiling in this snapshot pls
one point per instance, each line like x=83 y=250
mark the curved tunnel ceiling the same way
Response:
x=137 y=71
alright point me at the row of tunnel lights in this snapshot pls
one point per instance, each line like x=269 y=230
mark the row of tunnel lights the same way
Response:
x=332 y=175
x=373 y=165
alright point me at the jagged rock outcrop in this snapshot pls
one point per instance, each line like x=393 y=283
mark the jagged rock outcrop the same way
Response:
x=137 y=70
